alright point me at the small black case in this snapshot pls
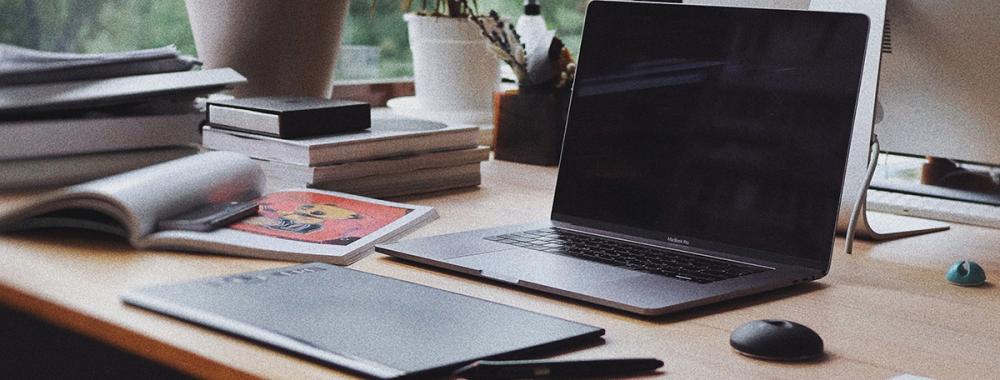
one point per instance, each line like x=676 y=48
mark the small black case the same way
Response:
x=290 y=117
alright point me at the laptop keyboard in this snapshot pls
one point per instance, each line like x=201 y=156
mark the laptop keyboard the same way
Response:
x=638 y=257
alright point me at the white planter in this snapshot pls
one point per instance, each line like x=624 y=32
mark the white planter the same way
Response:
x=453 y=68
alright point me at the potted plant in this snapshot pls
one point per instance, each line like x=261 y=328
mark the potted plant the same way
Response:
x=453 y=67
x=282 y=47
x=529 y=121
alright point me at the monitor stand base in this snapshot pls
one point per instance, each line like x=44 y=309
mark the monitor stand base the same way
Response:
x=881 y=226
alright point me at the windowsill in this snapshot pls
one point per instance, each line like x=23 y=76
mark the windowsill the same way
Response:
x=372 y=81
x=373 y=91
x=378 y=91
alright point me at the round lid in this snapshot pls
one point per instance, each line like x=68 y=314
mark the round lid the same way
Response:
x=532 y=8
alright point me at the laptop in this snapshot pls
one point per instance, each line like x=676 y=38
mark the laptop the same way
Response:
x=704 y=157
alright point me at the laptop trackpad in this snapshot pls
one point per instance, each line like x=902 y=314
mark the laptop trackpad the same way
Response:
x=542 y=268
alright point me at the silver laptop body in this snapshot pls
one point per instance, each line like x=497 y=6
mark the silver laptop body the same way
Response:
x=703 y=160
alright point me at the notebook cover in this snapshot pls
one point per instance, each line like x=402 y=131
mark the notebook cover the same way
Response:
x=372 y=325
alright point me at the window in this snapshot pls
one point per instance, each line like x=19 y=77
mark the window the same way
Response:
x=95 y=25
x=374 y=44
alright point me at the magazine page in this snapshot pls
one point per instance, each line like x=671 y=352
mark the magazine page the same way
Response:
x=140 y=198
x=304 y=225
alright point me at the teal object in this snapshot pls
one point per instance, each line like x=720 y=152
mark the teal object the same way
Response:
x=966 y=273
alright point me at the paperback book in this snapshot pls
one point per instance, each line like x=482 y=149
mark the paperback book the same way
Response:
x=106 y=133
x=385 y=138
x=308 y=175
x=393 y=185
x=89 y=94
x=55 y=171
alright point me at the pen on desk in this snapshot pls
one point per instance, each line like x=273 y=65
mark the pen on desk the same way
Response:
x=519 y=369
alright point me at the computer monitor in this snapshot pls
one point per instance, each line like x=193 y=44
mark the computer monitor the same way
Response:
x=939 y=84
x=857 y=166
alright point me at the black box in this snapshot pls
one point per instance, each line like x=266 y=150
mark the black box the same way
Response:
x=289 y=117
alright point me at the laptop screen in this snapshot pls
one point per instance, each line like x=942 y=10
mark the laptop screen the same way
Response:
x=717 y=128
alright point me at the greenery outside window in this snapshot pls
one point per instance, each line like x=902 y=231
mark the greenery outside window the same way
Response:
x=374 y=47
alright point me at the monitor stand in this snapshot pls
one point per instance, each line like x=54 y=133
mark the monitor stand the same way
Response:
x=881 y=226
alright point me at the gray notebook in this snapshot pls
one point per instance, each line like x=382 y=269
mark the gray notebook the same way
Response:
x=373 y=325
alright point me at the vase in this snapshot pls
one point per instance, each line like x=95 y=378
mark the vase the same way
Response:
x=281 y=47
x=453 y=68
x=528 y=125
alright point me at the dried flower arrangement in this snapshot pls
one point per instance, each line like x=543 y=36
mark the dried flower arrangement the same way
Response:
x=550 y=64
x=529 y=122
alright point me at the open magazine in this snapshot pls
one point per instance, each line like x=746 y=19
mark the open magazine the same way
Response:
x=292 y=225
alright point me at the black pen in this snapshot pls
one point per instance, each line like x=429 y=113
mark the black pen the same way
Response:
x=521 y=369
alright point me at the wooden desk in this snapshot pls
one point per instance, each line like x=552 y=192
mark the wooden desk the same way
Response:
x=883 y=311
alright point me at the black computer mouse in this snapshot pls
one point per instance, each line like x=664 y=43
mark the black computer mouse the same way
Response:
x=775 y=339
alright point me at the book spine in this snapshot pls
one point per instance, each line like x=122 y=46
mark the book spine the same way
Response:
x=239 y=119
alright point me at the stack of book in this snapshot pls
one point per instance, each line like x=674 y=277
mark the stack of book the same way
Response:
x=70 y=118
x=393 y=157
